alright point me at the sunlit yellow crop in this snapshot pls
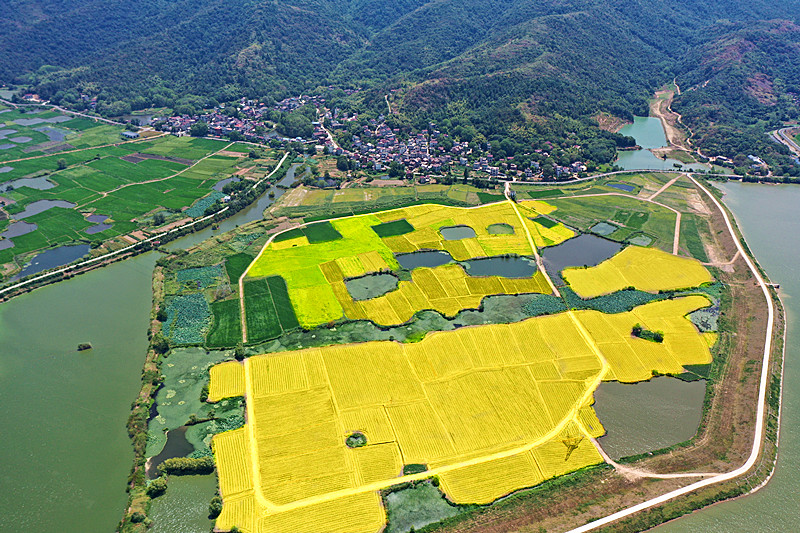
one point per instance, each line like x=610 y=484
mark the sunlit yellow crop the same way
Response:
x=227 y=380
x=646 y=269
x=489 y=409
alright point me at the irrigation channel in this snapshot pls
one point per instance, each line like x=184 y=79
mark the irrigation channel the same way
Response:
x=67 y=452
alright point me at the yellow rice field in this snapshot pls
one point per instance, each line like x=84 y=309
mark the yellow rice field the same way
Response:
x=646 y=269
x=489 y=409
x=227 y=380
x=312 y=270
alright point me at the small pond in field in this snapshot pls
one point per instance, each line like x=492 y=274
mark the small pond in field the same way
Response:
x=428 y=259
x=647 y=416
x=100 y=224
x=507 y=267
x=222 y=183
x=604 y=228
x=40 y=184
x=500 y=229
x=641 y=240
x=371 y=286
x=53 y=134
x=456 y=233
x=583 y=250
x=621 y=186
x=40 y=206
x=17 y=229
x=54 y=258
x=176 y=446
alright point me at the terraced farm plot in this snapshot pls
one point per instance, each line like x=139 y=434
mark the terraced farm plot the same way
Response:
x=314 y=271
x=490 y=409
x=646 y=269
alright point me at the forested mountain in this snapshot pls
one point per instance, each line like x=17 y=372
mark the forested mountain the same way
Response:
x=506 y=62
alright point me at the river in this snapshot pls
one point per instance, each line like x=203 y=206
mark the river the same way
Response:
x=66 y=452
x=767 y=215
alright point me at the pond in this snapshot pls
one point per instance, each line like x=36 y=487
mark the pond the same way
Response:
x=371 y=286
x=622 y=186
x=184 y=507
x=99 y=226
x=603 y=228
x=176 y=446
x=40 y=206
x=54 y=258
x=507 y=267
x=647 y=416
x=53 y=134
x=641 y=240
x=40 y=184
x=222 y=183
x=456 y=233
x=500 y=229
x=17 y=229
x=586 y=249
x=428 y=259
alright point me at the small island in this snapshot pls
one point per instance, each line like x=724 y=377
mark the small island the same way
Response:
x=84 y=346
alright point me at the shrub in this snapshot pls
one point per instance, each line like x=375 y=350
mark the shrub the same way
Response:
x=157 y=487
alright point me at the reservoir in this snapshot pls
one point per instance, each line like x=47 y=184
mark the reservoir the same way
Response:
x=649 y=133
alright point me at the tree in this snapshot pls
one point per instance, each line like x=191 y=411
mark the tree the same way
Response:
x=61 y=163
x=198 y=129
x=342 y=163
x=396 y=169
x=238 y=353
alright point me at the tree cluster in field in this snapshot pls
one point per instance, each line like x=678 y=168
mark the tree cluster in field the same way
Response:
x=182 y=466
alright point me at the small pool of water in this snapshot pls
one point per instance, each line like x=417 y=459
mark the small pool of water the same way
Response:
x=500 y=229
x=621 y=186
x=222 y=183
x=53 y=134
x=17 y=229
x=641 y=240
x=371 y=286
x=176 y=446
x=57 y=257
x=290 y=178
x=428 y=259
x=456 y=233
x=583 y=250
x=604 y=228
x=97 y=219
x=648 y=416
x=507 y=267
x=40 y=184
x=40 y=206
x=97 y=228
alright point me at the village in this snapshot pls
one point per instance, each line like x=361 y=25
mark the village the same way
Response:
x=374 y=148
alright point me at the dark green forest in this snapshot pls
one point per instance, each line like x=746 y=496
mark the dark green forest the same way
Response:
x=497 y=68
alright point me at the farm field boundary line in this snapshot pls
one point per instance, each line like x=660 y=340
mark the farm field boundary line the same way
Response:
x=304 y=224
x=761 y=404
x=106 y=193
x=98 y=259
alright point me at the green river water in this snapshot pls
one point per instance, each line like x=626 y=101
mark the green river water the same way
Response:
x=66 y=454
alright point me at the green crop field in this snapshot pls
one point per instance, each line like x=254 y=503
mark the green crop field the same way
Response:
x=262 y=317
x=393 y=229
x=236 y=264
x=226 y=328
